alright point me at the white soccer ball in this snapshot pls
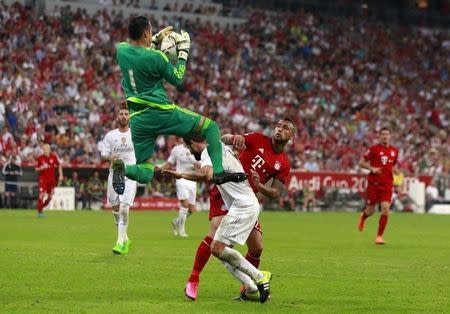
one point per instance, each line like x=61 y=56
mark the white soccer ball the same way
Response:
x=169 y=46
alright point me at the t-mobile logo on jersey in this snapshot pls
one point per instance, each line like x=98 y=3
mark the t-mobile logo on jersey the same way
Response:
x=257 y=162
x=384 y=160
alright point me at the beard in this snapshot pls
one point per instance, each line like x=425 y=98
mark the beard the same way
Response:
x=123 y=123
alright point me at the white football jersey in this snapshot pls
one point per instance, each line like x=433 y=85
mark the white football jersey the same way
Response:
x=240 y=195
x=181 y=157
x=119 y=144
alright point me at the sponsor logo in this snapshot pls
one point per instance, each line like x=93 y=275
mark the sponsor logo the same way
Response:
x=277 y=165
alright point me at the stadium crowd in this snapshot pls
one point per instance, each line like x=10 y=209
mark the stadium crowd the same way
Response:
x=339 y=79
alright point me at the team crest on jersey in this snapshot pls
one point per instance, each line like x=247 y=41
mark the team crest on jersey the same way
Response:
x=381 y=153
x=261 y=150
x=392 y=154
x=277 y=165
x=123 y=140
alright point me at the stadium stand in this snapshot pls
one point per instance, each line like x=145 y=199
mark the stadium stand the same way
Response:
x=340 y=79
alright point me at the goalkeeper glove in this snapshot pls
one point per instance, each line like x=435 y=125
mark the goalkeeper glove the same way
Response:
x=183 y=45
x=159 y=36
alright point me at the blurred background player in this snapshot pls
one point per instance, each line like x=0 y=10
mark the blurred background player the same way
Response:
x=242 y=216
x=265 y=159
x=181 y=157
x=118 y=144
x=151 y=112
x=12 y=171
x=46 y=165
x=381 y=161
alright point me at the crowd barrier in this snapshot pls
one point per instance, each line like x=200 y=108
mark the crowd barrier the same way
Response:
x=334 y=190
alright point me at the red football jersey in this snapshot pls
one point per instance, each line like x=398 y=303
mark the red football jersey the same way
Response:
x=51 y=162
x=384 y=158
x=260 y=156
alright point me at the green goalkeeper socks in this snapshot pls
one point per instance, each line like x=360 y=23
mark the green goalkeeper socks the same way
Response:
x=142 y=173
x=211 y=132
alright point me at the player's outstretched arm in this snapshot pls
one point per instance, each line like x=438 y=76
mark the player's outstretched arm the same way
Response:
x=238 y=141
x=203 y=174
x=60 y=172
x=167 y=166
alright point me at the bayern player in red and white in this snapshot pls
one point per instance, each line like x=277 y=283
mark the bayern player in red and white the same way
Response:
x=46 y=165
x=263 y=158
x=381 y=161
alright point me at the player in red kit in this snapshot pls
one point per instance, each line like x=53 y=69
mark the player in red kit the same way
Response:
x=263 y=158
x=46 y=165
x=381 y=161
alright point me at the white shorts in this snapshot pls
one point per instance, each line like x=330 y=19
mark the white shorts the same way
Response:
x=186 y=190
x=127 y=197
x=236 y=225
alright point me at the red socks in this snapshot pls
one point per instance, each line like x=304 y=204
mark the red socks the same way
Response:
x=201 y=258
x=40 y=205
x=253 y=260
x=382 y=224
x=46 y=202
x=364 y=215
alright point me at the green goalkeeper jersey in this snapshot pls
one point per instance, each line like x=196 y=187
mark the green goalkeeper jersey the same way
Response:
x=143 y=70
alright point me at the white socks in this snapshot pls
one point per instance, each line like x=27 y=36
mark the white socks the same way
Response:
x=182 y=215
x=243 y=278
x=123 y=223
x=235 y=259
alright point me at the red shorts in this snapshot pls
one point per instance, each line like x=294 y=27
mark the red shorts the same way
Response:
x=46 y=186
x=217 y=207
x=378 y=193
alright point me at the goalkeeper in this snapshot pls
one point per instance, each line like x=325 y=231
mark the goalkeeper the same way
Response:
x=151 y=112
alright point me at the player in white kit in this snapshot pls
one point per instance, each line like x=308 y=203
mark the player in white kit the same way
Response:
x=117 y=144
x=181 y=157
x=236 y=225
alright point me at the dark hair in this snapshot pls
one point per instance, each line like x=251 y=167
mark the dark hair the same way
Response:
x=385 y=128
x=287 y=119
x=137 y=26
x=196 y=139
x=293 y=128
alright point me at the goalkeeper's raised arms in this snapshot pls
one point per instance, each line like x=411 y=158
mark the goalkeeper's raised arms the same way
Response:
x=183 y=42
x=159 y=36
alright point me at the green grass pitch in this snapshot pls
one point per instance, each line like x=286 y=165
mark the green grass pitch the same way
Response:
x=320 y=263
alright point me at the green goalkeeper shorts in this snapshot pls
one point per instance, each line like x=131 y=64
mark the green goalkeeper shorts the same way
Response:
x=147 y=124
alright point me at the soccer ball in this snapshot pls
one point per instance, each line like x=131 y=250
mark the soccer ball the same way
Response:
x=169 y=46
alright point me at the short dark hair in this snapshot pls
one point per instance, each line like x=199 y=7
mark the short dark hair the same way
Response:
x=193 y=139
x=137 y=26
x=293 y=128
x=385 y=128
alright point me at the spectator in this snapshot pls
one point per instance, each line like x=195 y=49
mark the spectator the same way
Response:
x=432 y=195
x=80 y=193
x=401 y=201
x=95 y=190
x=12 y=171
x=311 y=163
x=309 y=197
x=337 y=93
